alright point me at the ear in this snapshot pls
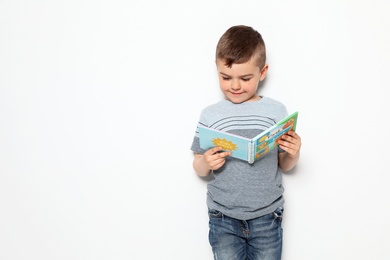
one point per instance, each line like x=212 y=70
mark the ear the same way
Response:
x=263 y=72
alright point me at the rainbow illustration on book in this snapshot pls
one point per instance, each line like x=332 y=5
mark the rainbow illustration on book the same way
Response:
x=244 y=148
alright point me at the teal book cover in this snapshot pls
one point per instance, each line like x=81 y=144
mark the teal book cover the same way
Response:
x=243 y=148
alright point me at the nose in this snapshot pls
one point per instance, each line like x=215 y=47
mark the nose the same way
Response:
x=235 y=85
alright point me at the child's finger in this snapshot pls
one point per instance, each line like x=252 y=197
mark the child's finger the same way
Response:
x=223 y=154
x=214 y=150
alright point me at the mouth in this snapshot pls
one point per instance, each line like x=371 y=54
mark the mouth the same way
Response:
x=235 y=93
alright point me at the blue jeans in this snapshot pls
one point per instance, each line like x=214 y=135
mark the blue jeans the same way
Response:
x=255 y=239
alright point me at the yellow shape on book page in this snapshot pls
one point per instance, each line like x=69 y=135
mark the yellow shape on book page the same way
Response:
x=225 y=144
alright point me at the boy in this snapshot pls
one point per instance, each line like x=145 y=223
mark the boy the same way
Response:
x=245 y=201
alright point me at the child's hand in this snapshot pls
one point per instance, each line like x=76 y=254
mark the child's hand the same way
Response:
x=291 y=143
x=214 y=158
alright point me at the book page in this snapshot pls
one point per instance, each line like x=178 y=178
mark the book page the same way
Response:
x=238 y=145
x=267 y=140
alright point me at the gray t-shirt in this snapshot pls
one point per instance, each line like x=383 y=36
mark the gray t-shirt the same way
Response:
x=239 y=189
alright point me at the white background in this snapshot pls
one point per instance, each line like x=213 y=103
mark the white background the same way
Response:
x=99 y=102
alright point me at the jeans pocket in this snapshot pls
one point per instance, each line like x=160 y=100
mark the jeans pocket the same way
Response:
x=213 y=213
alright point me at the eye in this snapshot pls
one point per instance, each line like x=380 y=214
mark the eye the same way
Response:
x=225 y=78
x=246 y=79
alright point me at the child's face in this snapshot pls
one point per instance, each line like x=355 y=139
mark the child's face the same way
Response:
x=239 y=83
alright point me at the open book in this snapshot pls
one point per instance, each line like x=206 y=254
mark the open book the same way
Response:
x=243 y=148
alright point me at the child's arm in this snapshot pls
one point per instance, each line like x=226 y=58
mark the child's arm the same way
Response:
x=212 y=159
x=291 y=144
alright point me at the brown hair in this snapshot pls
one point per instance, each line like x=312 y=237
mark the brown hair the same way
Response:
x=239 y=44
